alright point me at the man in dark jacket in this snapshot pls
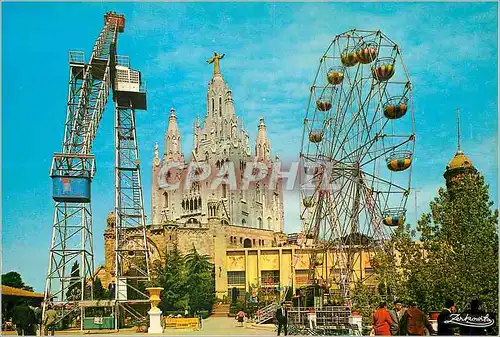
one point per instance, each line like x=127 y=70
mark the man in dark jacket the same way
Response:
x=446 y=329
x=281 y=314
x=414 y=322
x=475 y=310
x=23 y=317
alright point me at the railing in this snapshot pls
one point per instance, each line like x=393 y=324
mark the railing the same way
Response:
x=76 y=56
x=123 y=60
x=266 y=313
x=326 y=316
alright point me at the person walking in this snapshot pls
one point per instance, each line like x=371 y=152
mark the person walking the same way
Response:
x=311 y=317
x=396 y=316
x=446 y=329
x=49 y=320
x=381 y=321
x=281 y=317
x=23 y=317
x=240 y=316
x=414 y=322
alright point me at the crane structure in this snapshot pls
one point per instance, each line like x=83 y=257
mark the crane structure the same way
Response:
x=70 y=274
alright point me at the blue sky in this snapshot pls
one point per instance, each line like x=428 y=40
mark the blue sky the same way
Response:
x=272 y=53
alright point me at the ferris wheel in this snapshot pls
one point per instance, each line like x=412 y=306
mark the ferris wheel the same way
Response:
x=357 y=151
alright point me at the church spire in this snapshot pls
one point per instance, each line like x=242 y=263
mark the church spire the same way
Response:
x=262 y=145
x=173 y=139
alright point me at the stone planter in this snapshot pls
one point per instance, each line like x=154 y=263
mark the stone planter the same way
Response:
x=154 y=296
x=155 y=313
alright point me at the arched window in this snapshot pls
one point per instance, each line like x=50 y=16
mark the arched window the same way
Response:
x=259 y=220
x=247 y=243
x=220 y=106
x=165 y=200
x=269 y=223
x=213 y=106
x=224 y=190
x=243 y=222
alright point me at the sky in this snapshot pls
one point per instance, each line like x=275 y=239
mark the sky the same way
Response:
x=272 y=54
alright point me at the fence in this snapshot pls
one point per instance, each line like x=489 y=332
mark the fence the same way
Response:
x=326 y=316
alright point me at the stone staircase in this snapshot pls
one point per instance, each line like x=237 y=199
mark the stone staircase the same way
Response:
x=266 y=313
x=220 y=310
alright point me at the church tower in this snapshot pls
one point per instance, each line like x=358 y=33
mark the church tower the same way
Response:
x=460 y=165
x=173 y=150
x=262 y=145
x=221 y=141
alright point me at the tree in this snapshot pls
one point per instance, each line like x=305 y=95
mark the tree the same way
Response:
x=74 y=292
x=200 y=282
x=14 y=279
x=171 y=276
x=457 y=256
x=364 y=301
x=99 y=292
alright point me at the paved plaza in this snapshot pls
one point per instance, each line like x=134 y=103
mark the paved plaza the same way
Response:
x=211 y=326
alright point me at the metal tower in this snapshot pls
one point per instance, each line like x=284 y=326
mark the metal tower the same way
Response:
x=131 y=252
x=71 y=259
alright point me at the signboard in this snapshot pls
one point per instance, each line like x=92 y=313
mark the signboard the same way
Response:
x=71 y=189
x=98 y=320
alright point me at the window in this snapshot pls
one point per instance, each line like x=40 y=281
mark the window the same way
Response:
x=165 y=200
x=220 y=106
x=213 y=104
x=243 y=222
x=236 y=278
x=270 y=277
x=259 y=220
x=269 y=223
x=247 y=243
x=302 y=277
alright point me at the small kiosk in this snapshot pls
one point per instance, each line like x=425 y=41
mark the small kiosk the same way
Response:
x=98 y=314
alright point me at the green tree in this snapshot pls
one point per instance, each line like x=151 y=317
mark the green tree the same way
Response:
x=99 y=292
x=14 y=279
x=73 y=292
x=457 y=256
x=171 y=276
x=364 y=301
x=200 y=281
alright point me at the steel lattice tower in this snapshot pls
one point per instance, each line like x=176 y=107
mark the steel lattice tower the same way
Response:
x=73 y=169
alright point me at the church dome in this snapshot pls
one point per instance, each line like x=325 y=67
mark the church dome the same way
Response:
x=460 y=160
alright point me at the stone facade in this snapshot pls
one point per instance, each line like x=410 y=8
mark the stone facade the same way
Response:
x=221 y=142
x=212 y=220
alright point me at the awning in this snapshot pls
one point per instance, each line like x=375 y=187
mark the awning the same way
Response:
x=11 y=291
